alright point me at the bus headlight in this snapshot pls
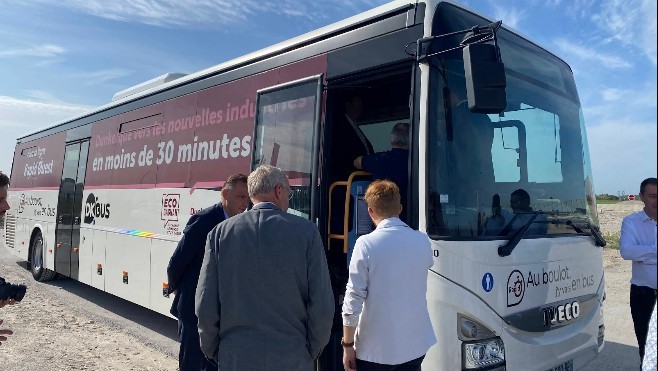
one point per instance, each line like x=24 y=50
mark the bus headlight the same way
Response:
x=484 y=353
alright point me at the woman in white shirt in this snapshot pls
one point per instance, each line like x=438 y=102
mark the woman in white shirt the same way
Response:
x=386 y=325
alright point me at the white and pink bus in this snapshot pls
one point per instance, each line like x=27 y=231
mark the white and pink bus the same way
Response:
x=504 y=194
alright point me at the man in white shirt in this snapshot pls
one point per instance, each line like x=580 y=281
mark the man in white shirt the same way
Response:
x=386 y=325
x=638 y=243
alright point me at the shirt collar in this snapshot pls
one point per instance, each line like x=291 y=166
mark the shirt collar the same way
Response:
x=391 y=222
x=265 y=205
x=645 y=217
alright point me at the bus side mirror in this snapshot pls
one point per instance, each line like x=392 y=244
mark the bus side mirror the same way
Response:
x=485 y=79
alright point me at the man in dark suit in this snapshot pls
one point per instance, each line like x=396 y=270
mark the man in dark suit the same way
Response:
x=185 y=265
x=264 y=299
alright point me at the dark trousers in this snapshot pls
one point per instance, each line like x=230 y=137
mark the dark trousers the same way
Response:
x=413 y=365
x=190 y=357
x=643 y=299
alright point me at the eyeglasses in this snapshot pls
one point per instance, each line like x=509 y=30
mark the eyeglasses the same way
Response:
x=290 y=193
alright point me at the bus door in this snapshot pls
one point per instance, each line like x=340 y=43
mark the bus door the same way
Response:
x=69 y=209
x=362 y=109
x=286 y=135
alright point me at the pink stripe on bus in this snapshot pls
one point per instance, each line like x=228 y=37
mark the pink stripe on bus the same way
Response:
x=137 y=186
x=170 y=185
x=132 y=186
x=34 y=189
x=216 y=184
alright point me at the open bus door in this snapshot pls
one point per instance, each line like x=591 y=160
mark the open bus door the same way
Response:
x=69 y=209
x=287 y=135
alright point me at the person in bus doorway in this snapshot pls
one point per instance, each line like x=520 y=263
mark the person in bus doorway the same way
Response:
x=349 y=137
x=638 y=243
x=185 y=265
x=392 y=165
x=386 y=324
x=264 y=299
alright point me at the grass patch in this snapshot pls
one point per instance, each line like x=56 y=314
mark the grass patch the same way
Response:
x=607 y=202
x=612 y=239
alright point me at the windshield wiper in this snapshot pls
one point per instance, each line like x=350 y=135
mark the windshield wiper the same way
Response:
x=595 y=233
x=507 y=248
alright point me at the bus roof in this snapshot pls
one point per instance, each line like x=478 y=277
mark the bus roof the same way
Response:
x=270 y=51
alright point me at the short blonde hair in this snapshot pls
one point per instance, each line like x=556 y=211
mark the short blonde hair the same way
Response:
x=383 y=197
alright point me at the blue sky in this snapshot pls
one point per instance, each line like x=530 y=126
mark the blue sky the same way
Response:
x=59 y=58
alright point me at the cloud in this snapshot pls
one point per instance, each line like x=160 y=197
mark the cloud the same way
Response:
x=196 y=14
x=632 y=107
x=621 y=128
x=580 y=8
x=511 y=16
x=44 y=96
x=99 y=77
x=623 y=153
x=42 y=51
x=21 y=116
x=17 y=113
x=592 y=54
x=632 y=22
x=48 y=62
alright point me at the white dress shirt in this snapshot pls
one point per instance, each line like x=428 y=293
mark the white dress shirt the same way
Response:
x=638 y=243
x=386 y=294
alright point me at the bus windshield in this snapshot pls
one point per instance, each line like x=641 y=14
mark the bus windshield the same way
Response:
x=488 y=175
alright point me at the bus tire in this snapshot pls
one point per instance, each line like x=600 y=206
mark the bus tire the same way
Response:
x=39 y=273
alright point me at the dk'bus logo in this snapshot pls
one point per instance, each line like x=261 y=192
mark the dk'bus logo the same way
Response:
x=94 y=209
x=515 y=288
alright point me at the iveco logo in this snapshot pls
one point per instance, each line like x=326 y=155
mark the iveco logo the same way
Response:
x=561 y=313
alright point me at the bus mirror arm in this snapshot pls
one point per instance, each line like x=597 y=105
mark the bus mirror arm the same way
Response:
x=473 y=35
x=484 y=70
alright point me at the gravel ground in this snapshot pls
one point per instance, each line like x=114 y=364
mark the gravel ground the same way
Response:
x=610 y=216
x=66 y=325
x=620 y=351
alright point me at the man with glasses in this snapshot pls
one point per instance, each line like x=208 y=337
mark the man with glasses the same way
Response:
x=264 y=299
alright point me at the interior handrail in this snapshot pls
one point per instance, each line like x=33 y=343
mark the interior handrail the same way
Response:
x=348 y=185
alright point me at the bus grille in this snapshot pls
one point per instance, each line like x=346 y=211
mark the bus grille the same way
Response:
x=10 y=230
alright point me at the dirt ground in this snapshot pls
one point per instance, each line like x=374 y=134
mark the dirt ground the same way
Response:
x=65 y=325
x=611 y=216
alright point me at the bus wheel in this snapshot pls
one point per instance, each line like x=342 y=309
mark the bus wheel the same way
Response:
x=39 y=273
